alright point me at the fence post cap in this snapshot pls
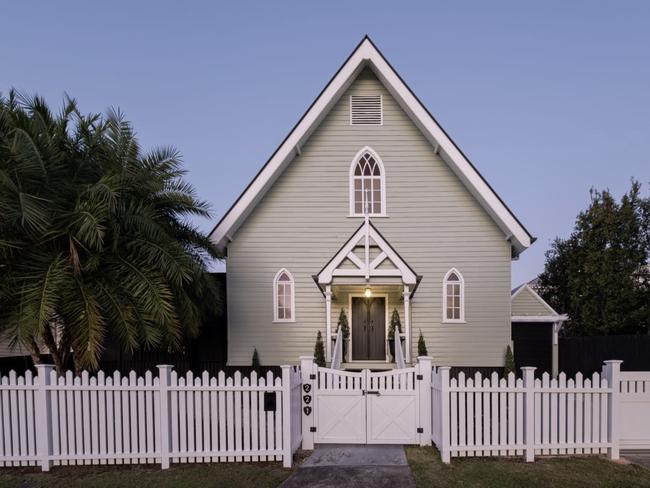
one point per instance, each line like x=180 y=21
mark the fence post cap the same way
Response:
x=306 y=358
x=45 y=366
x=444 y=368
x=164 y=366
x=528 y=368
x=425 y=358
x=613 y=361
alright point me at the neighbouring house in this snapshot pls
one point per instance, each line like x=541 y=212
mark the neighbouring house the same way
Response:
x=535 y=329
x=368 y=206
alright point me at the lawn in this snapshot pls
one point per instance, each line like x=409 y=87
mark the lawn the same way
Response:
x=258 y=475
x=429 y=472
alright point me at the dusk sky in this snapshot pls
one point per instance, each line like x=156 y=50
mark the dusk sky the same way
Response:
x=547 y=99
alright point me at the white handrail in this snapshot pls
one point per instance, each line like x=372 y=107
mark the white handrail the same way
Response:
x=337 y=357
x=399 y=353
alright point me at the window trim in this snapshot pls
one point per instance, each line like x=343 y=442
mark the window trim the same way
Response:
x=276 y=319
x=460 y=320
x=382 y=176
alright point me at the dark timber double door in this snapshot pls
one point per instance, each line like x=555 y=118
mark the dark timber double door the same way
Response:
x=368 y=329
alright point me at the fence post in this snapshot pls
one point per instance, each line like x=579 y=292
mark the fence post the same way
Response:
x=424 y=394
x=445 y=451
x=43 y=416
x=287 y=455
x=307 y=369
x=529 y=412
x=164 y=378
x=611 y=371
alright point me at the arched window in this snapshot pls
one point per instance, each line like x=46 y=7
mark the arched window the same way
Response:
x=453 y=297
x=367 y=184
x=283 y=297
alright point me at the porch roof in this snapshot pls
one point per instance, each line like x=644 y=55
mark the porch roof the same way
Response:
x=355 y=259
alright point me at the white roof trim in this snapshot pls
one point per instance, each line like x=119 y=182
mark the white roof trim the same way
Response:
x=366 y=54
x=535 y=295
x=366 y=268
x=539 y=318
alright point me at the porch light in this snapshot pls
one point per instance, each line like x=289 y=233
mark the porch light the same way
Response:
x=368 y=292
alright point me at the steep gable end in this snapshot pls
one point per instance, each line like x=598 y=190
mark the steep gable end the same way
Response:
x=525 y=302
x=367 y=56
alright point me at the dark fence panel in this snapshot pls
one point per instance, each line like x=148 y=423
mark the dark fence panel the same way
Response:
x=533 y=346
x=586 y=354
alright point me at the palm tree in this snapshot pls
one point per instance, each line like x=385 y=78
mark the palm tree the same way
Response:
x=95 y=236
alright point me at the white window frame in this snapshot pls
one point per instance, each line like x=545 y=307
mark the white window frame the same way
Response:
x=292 y=282
x=382 y=178
x=460 y=320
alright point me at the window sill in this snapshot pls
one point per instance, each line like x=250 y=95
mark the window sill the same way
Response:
x=281 y=321
x=381 y=216
x=454 y=322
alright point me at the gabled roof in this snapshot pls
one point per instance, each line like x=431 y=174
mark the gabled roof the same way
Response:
x=544 y=308
x=366 y=267
x=366 y=54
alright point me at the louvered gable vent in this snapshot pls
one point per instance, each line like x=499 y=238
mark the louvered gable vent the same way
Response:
x=366 y=110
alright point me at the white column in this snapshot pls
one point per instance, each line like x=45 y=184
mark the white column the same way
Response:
x=328 y=321
x=164 y=379
x=529 y=412
x=611 y=371
x=407 y=324
x=555 y=349
x=43 y=416
x=424 y=393
x=308 y=368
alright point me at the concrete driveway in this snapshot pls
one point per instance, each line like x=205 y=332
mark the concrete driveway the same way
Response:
x=351 y=466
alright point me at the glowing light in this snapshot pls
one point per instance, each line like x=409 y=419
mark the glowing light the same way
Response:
x=368 y=292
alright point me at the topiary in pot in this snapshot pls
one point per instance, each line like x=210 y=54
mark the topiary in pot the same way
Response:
x=344 y=327
x=509 y=364
x=395 y=325
x=422 y=346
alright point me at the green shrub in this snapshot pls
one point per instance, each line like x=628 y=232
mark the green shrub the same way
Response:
x=343 y=325
x=422 y=346
x=395 y=324
x=509 y=366
x=255 y=363
x=319 y=351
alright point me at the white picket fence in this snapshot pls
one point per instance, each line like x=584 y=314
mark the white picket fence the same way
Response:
x=526 y=416
x=67 y=420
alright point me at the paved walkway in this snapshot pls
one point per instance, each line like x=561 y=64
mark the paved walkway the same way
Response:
x=351 y=466
x=638 y=456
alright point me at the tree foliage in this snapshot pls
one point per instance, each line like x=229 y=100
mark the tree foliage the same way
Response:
x=395 y=324
x=255 y=362
x=95 y=238
x=600 y=275
x=343 y=325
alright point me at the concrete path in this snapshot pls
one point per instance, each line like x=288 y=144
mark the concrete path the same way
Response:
x=638 y=456
x=351 y=466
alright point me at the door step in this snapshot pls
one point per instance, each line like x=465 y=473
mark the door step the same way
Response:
x=371 y=365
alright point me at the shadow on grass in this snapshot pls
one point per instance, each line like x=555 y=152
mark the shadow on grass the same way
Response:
x=564 y=472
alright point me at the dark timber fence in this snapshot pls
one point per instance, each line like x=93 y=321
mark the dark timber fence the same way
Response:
x=586 y=354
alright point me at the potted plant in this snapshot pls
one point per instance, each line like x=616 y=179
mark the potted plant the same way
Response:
x=395 y=325
x=345 y=332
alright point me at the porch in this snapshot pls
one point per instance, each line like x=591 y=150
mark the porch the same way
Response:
x=366 y=282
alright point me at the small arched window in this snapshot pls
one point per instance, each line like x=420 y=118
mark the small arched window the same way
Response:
x=367 y=184
x=283 y=297
x=453 y=297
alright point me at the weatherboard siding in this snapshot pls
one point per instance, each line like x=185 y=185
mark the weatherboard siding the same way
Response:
x=432 y=221
x=526 y=303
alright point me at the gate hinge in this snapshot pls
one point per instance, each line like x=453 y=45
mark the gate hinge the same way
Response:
x=312 y=429
x=419 y=377
x=420 y=430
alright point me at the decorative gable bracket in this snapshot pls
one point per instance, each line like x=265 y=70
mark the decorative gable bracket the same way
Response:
x=365 y=265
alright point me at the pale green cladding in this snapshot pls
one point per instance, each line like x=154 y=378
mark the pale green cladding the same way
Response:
x=432 y=221
x=526 y=303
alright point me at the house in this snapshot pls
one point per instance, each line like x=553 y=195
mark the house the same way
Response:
x=535 y=329
x=368 y=206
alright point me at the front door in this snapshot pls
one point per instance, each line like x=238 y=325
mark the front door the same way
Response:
x=368 y=329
